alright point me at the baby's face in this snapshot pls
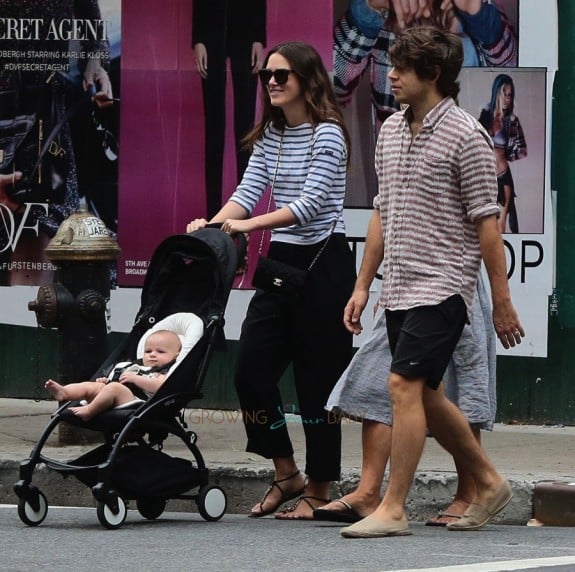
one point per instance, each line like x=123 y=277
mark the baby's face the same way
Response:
x=161 y=348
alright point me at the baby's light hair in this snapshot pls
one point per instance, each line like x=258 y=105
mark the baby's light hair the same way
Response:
x=166 y=332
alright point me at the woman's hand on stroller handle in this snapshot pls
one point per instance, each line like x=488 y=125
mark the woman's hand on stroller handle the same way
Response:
x=228 y=226
x=196 y=224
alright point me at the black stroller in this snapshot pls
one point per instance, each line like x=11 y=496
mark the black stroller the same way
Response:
x=187 y=284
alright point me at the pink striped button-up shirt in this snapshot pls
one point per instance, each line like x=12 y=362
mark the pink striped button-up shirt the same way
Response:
x=432 y=190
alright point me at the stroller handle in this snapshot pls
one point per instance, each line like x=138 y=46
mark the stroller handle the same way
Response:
x=238 y=237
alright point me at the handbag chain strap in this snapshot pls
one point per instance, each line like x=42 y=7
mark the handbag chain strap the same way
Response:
x=44 y=143
x=318 y=254
x=272 y=190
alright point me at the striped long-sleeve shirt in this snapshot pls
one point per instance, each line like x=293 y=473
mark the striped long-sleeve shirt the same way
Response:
x=432 y=190
x=310 y=179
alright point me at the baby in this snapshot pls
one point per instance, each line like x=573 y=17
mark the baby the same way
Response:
x=160 y=350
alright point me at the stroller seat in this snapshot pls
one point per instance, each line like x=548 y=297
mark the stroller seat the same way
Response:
x=187 y=326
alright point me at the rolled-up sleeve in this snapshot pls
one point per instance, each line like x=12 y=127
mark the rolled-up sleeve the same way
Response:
x=478 y=176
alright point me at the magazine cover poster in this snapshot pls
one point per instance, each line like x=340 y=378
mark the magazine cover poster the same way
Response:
x=191 y=93
x=510 y=104
x=59 y=110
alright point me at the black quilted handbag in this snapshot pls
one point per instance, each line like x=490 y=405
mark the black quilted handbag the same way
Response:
x=275 y=276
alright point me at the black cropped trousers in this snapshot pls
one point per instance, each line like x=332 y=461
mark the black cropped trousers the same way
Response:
x=308 y=333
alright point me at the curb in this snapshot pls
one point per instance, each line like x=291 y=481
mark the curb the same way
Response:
x=430 y=493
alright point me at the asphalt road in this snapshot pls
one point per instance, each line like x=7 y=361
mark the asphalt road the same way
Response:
x=71 y=539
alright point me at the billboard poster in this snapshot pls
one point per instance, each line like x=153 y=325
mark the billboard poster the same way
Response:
x=511 y=105
x=519 y=96
x=167 y=152
x=190 y=93
x=59 y=95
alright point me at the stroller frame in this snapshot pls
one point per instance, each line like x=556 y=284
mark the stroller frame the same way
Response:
x=148 y=424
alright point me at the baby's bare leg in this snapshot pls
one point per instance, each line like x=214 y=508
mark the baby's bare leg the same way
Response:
x=74 y=391
x=109 y=396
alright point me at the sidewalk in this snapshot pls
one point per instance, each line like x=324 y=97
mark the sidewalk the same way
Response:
x=525 y=454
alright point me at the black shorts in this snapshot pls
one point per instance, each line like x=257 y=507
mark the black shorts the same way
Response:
x=422 y=339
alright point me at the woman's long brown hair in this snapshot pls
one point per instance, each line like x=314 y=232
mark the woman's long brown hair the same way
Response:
x=317 y=88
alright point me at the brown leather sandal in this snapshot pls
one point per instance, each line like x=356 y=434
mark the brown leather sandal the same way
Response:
x=306 y=499
x=284 y=498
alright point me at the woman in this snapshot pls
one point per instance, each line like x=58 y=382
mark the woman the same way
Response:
x=300 y=148
x=509 y=142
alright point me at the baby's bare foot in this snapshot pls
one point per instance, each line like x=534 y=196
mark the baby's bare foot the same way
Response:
x=57 y=391
x=83 y=412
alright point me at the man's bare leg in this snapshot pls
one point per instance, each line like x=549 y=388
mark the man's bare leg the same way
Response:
x=465 y=493
x=452 y=431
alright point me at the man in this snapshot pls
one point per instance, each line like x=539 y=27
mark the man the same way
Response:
x=435 y=217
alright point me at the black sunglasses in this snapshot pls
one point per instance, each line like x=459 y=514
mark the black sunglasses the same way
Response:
x=280 y=76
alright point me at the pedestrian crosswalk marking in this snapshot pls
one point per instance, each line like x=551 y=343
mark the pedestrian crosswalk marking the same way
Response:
x=499 y=566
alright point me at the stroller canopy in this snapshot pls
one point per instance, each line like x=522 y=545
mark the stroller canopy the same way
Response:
x=191 y=273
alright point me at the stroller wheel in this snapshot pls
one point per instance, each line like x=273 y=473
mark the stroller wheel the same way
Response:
x=212 y=502
x=33 y=516
x=151 y=508
x=110 y=519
